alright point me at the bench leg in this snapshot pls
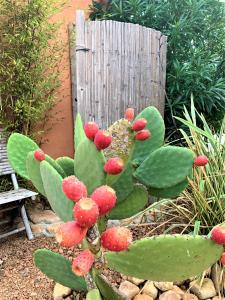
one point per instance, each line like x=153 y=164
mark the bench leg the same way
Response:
x=26 y=223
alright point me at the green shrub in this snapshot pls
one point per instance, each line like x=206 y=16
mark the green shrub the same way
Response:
x=29 y=60
x=196 y=49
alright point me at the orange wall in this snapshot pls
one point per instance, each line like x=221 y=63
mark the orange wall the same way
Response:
x=59 y=140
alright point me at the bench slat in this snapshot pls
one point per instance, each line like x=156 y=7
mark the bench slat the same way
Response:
x=15 y=195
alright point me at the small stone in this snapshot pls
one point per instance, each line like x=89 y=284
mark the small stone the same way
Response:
x=189 y=296
x=177 y=290
x=38 y=229
x=143 y=297
x=61 y=291
x=206 y=290
x=150 y=289
x=135 y=280
x=217 y=277
x=128 y=289
x=164 y=286
x=169 y=295
x=43 y=216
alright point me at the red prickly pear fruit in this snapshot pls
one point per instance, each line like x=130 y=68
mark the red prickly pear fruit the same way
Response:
x=129 y=114
x=83 y=262
x=102 y=139
x=114 y=166
x=86 y=212
x=39 y=155
x=105 y=198
x=142 y=135
x=70 y=234
x=73 y=188
x=201 y=161
x=116 y=239
x=90 y=129
x=222 y=259
x=139 y=124
x=218 y=235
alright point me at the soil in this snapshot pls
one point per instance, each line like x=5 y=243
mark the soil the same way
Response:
x=19 y=278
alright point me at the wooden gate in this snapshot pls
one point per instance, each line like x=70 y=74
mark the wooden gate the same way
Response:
x=117 y=65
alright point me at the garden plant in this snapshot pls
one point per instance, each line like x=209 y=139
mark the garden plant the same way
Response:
x=112 y=175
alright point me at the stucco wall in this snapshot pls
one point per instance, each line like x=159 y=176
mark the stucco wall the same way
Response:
x=59 y=140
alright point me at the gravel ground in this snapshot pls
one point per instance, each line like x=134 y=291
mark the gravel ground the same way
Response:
x=19 y=278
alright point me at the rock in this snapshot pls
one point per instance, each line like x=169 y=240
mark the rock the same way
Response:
x=163 y=286
x=128 y=289
x=143 y=297
x=43 y=216
x=169 y=295
x=52 y=228
x=218 y=298
x=150 y=289
x=207 y=290
x=60 y=291
x=38 y=229
x=135 y=280
x=189 y=296
x=217 y=277
x=177 y=290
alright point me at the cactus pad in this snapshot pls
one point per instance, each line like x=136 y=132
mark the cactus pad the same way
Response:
x=67 y=164
x=122 y=141
x=133 y=204
x=58 y=268
x=55 y=165
x=107 y=290
x=166 y=258
x=33 y=170
x=52 y=182
x=93 y=295
x=156 y=126
x=122 y=183
x=18 y=147
x=171 y=192
x=89 y=165
x=79 y=134
x=165 y=167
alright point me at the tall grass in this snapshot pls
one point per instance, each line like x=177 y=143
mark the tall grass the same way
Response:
x=204 y=200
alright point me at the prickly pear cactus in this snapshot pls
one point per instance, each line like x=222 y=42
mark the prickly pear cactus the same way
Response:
x=85 y=193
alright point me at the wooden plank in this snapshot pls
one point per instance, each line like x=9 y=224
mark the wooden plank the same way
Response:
x=123 y=66
x=72 y=53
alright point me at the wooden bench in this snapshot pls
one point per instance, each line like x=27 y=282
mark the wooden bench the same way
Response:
x=13 y=198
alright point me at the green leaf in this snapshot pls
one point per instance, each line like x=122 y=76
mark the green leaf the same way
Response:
x=89 y=165
x=93 y=295
x=156 y=126
x=33 y=170
x=58 y=268
x=133 y=204
x=67 y=164
x=166 y=257
x=79 y=136
x=52 y=182
x=165 y=167
x=18 y=147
